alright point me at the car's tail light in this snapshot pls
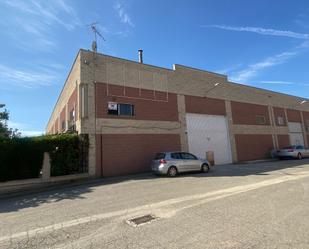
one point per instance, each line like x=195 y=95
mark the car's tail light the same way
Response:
x=162 y=161
x=290 y=150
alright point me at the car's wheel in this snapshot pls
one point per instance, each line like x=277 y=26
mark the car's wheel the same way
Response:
x=205 y=168
x=299 y=156
x=172 y=171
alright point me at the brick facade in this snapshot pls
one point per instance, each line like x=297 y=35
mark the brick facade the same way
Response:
x=253 y=147
x=131 y=153
x=203 y=105
x=161 y=98
x=293 y=116
x=283 y=141
x=246 y=114
x=147 y=105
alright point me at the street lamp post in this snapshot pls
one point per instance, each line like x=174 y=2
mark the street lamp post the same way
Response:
x=214 y=86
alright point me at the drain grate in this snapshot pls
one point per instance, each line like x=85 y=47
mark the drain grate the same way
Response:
x=141 y=220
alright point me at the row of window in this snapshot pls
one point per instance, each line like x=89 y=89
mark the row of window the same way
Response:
x=261 y=120
x=128 y=110
x=71 y=122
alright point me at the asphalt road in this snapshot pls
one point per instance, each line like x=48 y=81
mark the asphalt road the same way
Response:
x=263 y=205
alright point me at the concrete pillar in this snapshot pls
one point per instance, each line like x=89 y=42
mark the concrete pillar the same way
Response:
x=287 y=122
x=273 y=126
x=46 y=166
x=229 y=116
x=304 y=129
x=92 y=155
x=183 y=124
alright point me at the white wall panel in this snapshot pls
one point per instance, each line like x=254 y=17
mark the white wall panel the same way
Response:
x=294 y=127
x=295 y=132
x=297 y=139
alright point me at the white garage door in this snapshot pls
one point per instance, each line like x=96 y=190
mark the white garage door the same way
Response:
x=209 y=133
x=295 y=132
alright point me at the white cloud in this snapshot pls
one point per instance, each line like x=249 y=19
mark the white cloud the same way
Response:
x=254 y=69
x=229 y=69
x=276 y=82
x=279 y=82
x=32 y=22
x=123 y=14
x=31 y=133
x=24 y=78
x=17 y=125
x=24 y=129
x=261 y=31
x=48 y=12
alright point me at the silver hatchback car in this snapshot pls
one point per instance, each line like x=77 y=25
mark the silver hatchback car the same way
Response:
x=172 y=163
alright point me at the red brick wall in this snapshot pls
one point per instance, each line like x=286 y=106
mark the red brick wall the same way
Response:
x=56 y=125
x=253 y=147
x=244 y=113
x=279 y=112
x=72 y=103
x=62 y=117
x=306 y=119
x=52 y=130
x=145 y=105
x=283 y=141
x=131 y=153
x=204 y=105
x=306 y=115
x=293 y=116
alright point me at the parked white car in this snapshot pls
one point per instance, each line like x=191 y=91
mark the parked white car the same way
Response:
x=172 y=163
x=295 y=151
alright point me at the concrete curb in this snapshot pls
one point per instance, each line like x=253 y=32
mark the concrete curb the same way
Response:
x=42 y=187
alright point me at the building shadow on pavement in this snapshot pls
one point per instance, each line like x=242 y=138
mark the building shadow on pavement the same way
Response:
x=78 y=190
x=30 y=198
x=260 y=168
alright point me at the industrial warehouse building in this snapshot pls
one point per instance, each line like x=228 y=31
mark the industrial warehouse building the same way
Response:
x=131 y=111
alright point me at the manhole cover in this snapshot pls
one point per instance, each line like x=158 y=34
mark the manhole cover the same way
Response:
x=141 y=220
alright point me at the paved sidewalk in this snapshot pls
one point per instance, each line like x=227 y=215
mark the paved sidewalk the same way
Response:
x=261 y=205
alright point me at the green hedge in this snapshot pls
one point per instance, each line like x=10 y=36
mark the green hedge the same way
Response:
x=22 y=158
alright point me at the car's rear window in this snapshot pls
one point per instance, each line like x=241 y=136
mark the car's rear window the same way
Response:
x=175 y=156
x=159 y=156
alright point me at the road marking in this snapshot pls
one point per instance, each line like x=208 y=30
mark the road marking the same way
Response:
x=199 y=198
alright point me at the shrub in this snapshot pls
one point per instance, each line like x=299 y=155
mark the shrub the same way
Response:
x=22 y=158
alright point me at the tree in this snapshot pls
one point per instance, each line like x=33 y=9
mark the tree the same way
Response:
x=5 y=131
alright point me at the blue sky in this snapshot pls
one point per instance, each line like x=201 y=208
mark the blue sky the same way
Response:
x=258 y=43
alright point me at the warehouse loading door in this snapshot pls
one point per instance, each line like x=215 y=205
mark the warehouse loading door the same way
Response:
x=295 y=132
x=209 y=133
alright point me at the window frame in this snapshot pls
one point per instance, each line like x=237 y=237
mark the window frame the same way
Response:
x=118 y=111
x=131 y=110
x=280 y=120
x=260 y=117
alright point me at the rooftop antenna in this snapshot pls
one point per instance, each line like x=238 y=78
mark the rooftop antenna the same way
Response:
x=96 y=33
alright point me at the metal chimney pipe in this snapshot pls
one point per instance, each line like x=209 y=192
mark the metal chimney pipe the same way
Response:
x=140 y=56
